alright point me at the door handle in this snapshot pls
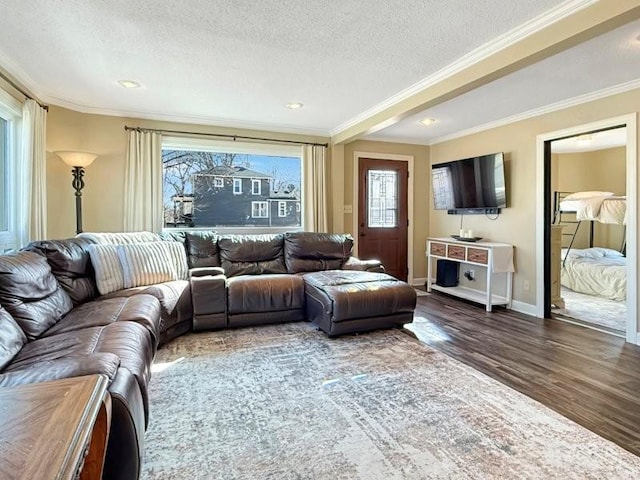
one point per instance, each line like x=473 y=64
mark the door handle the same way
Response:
x=362 y=234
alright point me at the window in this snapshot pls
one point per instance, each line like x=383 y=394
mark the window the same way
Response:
x=4 y=198
x=10 y=112
x=259 y=210
x=282 y=209
x=214 y=184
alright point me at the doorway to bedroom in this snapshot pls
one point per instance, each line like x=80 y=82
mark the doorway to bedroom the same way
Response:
x=588 y=230
x=587 y=248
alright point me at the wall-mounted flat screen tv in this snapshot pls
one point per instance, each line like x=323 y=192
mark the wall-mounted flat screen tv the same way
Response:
x=470 y=183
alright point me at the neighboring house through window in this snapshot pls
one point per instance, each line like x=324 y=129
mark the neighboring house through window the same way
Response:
x=259 y=210
x=230 y=185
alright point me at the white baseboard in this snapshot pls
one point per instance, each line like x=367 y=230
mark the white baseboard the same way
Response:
x=419 y=282
x=522 y=307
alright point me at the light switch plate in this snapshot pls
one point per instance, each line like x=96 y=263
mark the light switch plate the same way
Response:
x=348 y=209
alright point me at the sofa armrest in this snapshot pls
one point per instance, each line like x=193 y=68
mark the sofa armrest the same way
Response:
x=205 y=271
x=209 y=298
x=363 y=265
x=96 y=363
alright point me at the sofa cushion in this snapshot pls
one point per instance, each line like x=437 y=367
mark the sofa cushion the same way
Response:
x=142 y=309
x=174 y=298
x=265 y=293
x=71 y=366
x=128 y=341
x=312 y=252
x=30 y=292
x=252 y=254
x=71 y=265
x=202 y=249
x=12 y=338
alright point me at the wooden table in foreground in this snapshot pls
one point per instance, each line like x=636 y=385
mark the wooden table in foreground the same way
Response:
x=54 y=430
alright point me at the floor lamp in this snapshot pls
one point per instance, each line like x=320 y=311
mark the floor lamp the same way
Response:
x=78 y=160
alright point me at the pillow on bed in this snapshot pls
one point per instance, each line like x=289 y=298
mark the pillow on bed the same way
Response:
x=594 y=252
x=583 y=195
x=605 y=252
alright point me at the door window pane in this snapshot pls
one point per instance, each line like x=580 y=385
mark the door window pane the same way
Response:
x=382 y=198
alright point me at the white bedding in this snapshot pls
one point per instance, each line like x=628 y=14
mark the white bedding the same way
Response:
x=603 y=209
x=595 y=271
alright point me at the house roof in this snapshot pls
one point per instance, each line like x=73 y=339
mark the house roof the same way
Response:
x=235 y=172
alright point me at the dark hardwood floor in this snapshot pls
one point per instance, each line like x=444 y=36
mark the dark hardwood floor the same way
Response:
x=587 y=376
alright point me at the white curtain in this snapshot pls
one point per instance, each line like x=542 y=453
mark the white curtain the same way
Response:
x=315 y=192
x=34 y=153
x=143 y=206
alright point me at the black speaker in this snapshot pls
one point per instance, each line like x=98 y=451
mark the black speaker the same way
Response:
x=447 y=273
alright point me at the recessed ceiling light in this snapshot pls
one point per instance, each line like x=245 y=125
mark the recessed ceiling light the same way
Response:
x=294 y=105
x=129 y=84
x=427 y=121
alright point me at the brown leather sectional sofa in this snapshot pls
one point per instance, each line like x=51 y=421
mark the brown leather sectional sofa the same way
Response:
x=54 y=324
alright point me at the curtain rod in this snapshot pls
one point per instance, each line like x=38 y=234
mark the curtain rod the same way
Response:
x=17 y=87
x=222 y=135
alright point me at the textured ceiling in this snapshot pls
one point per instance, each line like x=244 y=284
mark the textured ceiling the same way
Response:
x=608 y=60
x=238 y=62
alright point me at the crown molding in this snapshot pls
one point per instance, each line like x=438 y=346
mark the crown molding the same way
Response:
x=553 y=107
x=481 y=53
x=405 y=141
x=190 y=119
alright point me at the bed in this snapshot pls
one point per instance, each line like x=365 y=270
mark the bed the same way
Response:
x=589 y=207
x=595 y=271
x=603 y=207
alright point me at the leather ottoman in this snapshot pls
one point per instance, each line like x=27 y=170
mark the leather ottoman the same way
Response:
x=340 y=301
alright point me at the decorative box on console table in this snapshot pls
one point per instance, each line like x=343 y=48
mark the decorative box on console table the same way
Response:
x=496 y=259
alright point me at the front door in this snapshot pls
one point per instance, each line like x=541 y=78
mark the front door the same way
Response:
x=382 y=214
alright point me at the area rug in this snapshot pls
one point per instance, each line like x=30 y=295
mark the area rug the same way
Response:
x=599 y=311
x=286 y=402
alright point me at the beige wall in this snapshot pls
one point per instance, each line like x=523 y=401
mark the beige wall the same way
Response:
x=517 y=224
x=603 y=170
x=421 y=199
x=103 y=195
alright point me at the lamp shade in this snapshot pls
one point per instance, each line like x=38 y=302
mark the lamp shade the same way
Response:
x=77 y=159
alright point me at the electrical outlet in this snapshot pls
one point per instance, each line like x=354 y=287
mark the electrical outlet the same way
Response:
x=472 y=274
x=469 y=275
x=525 y=285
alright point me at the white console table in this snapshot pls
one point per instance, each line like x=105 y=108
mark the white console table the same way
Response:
x=495 y=258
